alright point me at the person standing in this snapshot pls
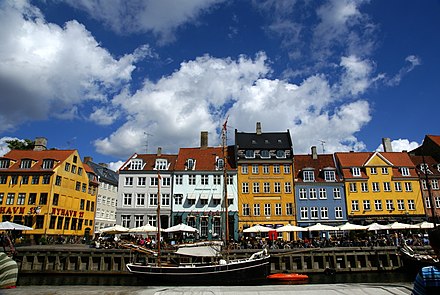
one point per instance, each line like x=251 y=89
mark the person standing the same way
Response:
x=427 y=281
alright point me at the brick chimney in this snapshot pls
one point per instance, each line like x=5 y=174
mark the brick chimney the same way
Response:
x=258 y=129
x=204 y=139
x=386 y=142
x=87 y=159
x=159 y=151
x=40 y=144
x=314 y=153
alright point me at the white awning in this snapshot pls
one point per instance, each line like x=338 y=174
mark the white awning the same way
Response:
x=230 y=196
x=204 y=196
x=191 y=196
x=217 y=196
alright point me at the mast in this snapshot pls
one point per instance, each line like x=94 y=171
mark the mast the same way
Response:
x=225 y=184
x=158 y=217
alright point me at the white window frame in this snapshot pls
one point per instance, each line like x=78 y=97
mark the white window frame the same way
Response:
x=337 y=193
x=308 y=175
x=356 y=171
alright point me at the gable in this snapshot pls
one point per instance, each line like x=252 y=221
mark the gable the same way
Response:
x=378 y=159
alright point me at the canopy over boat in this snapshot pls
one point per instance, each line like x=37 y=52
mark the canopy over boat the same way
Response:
x=201 y=249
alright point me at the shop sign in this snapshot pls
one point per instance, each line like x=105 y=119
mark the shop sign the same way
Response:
x=67 y=212
x=12 y=210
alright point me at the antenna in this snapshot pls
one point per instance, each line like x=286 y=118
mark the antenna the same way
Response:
x=146 y=141
x=323 y=145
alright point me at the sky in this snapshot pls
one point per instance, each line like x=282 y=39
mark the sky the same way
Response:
x=113 y=78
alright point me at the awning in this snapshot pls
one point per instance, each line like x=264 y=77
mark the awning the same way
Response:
x=204 y=196
x=217 y=196
x=191 y=196
x=230 y=196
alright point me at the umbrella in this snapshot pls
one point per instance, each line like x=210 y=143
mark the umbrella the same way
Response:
x=7 y=225
x=351 y=226
x=257 y=229
x=376 y=226
x=116 y=229
x=181 y=228
x=290 y=228
x=398 y=225
x=425 y=225
x=321 y=227
x=143 y=229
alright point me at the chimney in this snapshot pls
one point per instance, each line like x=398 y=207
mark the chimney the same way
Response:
x=386 y=142
x=258 y=128
x=159 y=151
x=314 y=153
x=40 y=144
x=87 y=159
x=204 y=139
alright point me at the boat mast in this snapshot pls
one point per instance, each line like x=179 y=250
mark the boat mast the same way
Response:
x=225 y=184
x=158 y=217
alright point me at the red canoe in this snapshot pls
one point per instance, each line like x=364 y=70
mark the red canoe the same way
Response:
x=288 y=277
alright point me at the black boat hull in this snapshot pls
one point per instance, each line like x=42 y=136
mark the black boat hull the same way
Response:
x=237 y=273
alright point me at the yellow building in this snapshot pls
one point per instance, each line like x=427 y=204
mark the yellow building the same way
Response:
x=381 y=186
x=48 y=190
x=265 y=178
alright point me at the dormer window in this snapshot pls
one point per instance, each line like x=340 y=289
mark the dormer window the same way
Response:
x=161 y=164
x=189 y=164
x=249 y=154
x=308 y=175
x=356 y=171
x=425 y=169
x=404 y=171
x=48 y=163
x=220 y=164
x=4 y=163
x=136 y=164
x=329 y=175
x=26 y=163
x=264 y=154
x=281 y=154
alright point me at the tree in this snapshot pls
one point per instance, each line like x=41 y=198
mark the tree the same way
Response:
x=18 y=144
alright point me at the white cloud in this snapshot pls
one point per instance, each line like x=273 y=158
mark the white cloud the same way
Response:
x=399 y=145
x=115 y=165
x=45 y=68
x=356 y=77
x=412 y=62
x=4 y=146
x=140 y=16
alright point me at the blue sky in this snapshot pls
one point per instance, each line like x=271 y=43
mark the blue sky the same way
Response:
x=111 y=78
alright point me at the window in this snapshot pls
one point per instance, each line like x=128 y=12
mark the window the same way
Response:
x=80 y=171
x=78 y=186
x=153 y=200
x=47 y=164
x=128 y=181
x=220 y=164
x=384 y=170
x=58 y=180
x=278 y=210
x=43 y=199
x=312 y=194
x=73 y=169
x=46 y=179
x=322 y=193
x=125 y=220
x=127 y=200
x=364 y=187
x=264 y=154
x=26 y=164
x=434 y=184
x=4 y=163
x=136 y=164
x=308 y=175
x=338 y=212
x=353 y=187
x=411 y=205
x=404 y=171
x=378 y=205
x=398 y=186
x=356 y=171
x=204 y=226
x=324 y=213
x=179 y=179
x=178 y=199
x=249 y=154
x=25 y=179
x=389 y=204
x=314 y=212
x=287 y=187
x=21 y=198
x=142 y=181
x=437 y=202
x=277 y=187
x=204 y=180
x=154 y=181
x=161 y=164
x=140 y=200
x=400 y=205
x=255 y=187
x=32 y=198
x=304 y=213
x=373 y=170
x=354 y=205
x=286 y=168
x=244 y=169
x=138 y=220
x=189 y=164
x=84 y=187
x=256 y=209
x=266 y=187
x=55 y=199
x=14 y=179
x=230 y=179
x=281 y=154
x=336 y=193
x=191 y=179
x=254 y=168
x=35 y=179
x=217 y=180
x=3 y=179
x=246 y=210
x=276 y=168
x=166 y=181
x=265 y=169
x=329 y=175
x=289 y=208
x=67 y=167
x=386 y=187
x=408 y=186
x=375 y=186
x=165 y=200
x=302 y=194
x=245 y=187
x=367 y=205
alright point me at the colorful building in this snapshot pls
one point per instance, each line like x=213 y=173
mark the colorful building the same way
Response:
x=48 y=190
x=265 y=178
x=381 y=186
x=319 y=190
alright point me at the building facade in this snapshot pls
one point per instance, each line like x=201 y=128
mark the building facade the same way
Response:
x=265 y=178
x=319 y=191
x=48 y=190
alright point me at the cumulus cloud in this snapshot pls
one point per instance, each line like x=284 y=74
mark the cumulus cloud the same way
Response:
x=115 y=165
x=140 y=16
x=4 y=146
x=412 y=61
x=399 y=145
x=47 y=69
x=356 y=75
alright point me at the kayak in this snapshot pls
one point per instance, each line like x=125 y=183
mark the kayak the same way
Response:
x=288 y=277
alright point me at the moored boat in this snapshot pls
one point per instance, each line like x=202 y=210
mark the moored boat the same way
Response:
x=288 y=277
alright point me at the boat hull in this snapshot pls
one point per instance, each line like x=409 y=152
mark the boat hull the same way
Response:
x=234 y=273
x=288 y=277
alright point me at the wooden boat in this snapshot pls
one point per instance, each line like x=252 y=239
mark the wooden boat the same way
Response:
x=288 y=277
x=413 y=262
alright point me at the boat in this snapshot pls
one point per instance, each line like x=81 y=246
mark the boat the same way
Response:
x=213 y=265
x=413 y=262
x=288 y=277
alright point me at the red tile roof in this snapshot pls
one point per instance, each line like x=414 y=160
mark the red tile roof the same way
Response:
x=306 y=161
x=205 y=158
x=150 y=160
x=435 y=138
x=17 y=155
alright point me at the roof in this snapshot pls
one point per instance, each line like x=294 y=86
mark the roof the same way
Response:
x=265 y=140
x=104 y=174
x=322 y=162
x=430 y=161
x=434 y=138
x=17 y=155
x=150 y=160
x=205 y=158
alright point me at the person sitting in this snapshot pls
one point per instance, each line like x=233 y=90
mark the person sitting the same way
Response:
x=428 y=279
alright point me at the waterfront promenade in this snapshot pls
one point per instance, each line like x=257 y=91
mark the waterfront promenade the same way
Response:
x=318 y=289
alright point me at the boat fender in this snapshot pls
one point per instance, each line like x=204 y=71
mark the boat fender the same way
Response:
x=222 y=262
